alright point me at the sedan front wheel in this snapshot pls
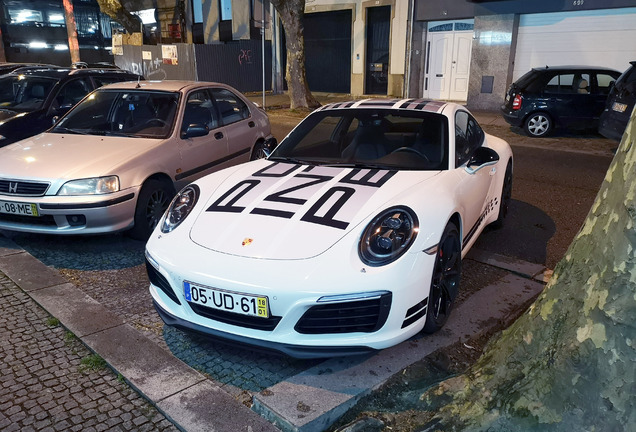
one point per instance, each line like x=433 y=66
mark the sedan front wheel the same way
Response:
x=154 y=198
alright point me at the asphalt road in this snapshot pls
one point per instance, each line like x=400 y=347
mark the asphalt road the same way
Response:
x=555 y=182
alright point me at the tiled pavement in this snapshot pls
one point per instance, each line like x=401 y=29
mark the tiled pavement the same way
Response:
x=49 y=381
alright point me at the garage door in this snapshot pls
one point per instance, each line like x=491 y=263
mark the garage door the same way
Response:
x=598 y=37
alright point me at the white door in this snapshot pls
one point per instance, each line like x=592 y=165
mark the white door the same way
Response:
x=448 y=65
x=460 y=67
x=440 y=61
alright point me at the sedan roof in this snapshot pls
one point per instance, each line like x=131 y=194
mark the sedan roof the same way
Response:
x=167 y=85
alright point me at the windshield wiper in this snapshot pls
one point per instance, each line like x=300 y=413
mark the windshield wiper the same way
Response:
x=360 y=165
x=60 y=129
x=290 y=160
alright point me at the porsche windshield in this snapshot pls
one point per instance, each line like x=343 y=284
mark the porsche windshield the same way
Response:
x=24 y=93
x=388 y=138
x=126 y=113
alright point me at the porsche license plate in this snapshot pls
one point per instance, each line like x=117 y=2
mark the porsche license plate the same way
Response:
x=16 y=208
x=619 y=107
x=229 y=301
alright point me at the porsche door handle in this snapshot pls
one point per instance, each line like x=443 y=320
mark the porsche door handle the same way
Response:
x=251 y=124
x=218 y=135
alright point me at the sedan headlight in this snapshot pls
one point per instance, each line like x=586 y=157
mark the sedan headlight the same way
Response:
x=388 y=236
x=180 y=208
x=90 y=186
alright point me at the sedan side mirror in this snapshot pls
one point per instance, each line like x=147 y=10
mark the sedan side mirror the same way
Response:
x=195 y=130
x=482 y=157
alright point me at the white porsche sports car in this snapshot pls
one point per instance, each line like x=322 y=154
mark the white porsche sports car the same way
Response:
x=348 y=238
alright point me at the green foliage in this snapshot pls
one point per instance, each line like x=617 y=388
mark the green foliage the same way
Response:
x=52 y=322
x=92 y=362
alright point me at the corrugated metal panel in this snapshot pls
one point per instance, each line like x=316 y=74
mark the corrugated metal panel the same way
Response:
x=237 y=63
x=155 y=62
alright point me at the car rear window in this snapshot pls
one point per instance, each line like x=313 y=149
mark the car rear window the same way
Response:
x=628 y=79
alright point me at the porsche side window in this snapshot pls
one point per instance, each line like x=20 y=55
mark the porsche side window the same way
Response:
x=231 y=108
x=468 y=137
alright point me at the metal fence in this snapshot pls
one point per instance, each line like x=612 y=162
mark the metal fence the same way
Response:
x=238 y=63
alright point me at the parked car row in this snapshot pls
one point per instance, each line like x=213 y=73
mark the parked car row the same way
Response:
x=346 y=196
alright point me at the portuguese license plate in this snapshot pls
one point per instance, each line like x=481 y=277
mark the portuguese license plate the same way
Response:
x=16 y=208
x=229 y=301
x=619 y=107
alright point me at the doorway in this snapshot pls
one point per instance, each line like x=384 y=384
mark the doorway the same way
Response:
x=448 y=52
x=377 y=53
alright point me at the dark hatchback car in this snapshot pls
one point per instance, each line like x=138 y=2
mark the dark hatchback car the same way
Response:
x=10 y=67
x=30 y=98
x=619 y=105
x=564 y=96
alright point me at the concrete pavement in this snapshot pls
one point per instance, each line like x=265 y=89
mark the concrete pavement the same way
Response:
x=309 y=401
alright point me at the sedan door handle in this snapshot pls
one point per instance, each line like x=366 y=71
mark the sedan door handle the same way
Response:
x=218 y=135
x=251 y=124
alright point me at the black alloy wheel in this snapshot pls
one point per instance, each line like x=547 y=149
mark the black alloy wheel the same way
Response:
x=445 y=282
x=154 y=199
x=259 y=151
x=506 y=196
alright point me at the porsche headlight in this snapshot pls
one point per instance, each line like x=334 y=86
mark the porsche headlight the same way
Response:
x=90 y=186
x=388 y=236
x=180 y=208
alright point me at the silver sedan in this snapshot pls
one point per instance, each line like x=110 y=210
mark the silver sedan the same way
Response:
x=115 y=161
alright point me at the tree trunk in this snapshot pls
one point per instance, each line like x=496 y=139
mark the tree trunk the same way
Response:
x=569 y=363
x=115 y=10
x=71 y=30
x=291 y=14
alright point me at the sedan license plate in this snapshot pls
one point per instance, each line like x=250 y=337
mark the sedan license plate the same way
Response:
x=229 y=301
x=619 y=107
x=16 y=208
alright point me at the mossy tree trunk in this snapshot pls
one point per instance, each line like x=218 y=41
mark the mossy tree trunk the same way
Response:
x=119 y=13
x=569 y=363
x=291 y=14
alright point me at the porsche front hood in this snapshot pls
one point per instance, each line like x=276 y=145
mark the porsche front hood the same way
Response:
x=272 y=210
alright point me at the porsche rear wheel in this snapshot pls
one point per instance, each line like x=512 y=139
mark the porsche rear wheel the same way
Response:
x=506 y=195
x=445 y=281
x=154 y=198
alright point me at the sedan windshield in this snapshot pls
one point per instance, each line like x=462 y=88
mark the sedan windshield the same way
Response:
x=391 y=138
x=24 y=93
x=129 y=113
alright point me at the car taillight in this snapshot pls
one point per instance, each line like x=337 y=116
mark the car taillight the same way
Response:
x=516 y=102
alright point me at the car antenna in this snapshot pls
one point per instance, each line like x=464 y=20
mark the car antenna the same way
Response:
x=138 y=81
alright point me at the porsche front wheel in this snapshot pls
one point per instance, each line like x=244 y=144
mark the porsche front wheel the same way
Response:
x=445 y=281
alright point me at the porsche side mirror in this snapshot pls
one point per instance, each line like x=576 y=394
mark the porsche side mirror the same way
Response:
x=482 y=157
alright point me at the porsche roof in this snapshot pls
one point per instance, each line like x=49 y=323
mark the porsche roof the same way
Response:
x=409 y=104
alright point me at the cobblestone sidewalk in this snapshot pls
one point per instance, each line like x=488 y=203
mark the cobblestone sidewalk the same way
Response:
x=49 y=381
